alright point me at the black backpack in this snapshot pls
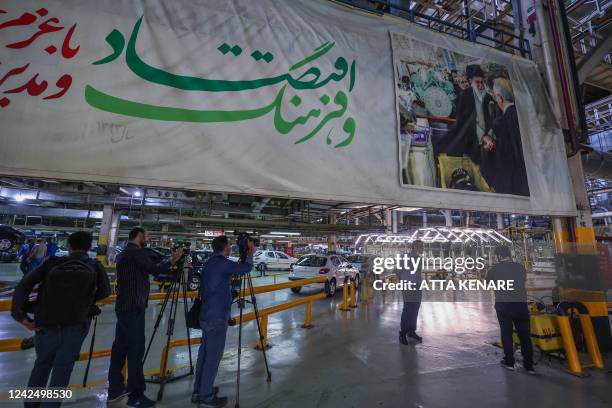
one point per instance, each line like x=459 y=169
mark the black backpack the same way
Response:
x=67 y=293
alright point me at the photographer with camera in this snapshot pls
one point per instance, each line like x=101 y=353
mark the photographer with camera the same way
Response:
x=133 y=269
x=216 y=295
x=67 y=295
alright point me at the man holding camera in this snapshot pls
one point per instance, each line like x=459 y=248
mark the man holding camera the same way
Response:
x=216 y=295
x=133 y=269
x=67 y=295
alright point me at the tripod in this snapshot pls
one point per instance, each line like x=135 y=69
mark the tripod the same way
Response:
x=247 y=283
x=177 y=287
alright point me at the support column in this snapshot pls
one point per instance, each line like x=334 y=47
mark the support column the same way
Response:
x=388 y=222
x=331 y=238
x=164 y=238
x=105 y=232
x=448 y=218
x=394 y=221
x=500 y=221
x=580 y=279
x=584 y=231
x=114 y=230
x=561 y=235
x=424 y=219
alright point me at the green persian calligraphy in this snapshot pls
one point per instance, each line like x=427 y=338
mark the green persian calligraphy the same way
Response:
x=309 y=80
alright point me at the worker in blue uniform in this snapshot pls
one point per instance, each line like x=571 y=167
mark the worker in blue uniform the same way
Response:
x=216 y=295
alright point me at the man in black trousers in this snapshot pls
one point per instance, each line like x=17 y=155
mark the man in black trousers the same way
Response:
x=412 y=298
x=133 y=269
x=67 y=293
x=511 y=308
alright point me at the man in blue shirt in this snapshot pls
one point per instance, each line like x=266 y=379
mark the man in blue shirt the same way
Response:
x=24 y=251
x=51 y=248
x=216 y=295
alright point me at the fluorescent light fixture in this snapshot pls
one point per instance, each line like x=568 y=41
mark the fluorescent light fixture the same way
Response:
x=285 y=233
x=137 y=193
x=21 y=197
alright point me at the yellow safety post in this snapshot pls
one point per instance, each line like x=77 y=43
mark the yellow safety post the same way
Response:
x=308 y=319
x=11 y=344
x=263 y=340
x=5 y=305
x=569 y=345
x=591 y=341
x=353 y=302
x=344 y=306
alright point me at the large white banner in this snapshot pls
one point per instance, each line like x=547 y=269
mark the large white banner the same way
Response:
x=273 y=97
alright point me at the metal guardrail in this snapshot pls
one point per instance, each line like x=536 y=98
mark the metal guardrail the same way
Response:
x=16 y=344
x=472 y=33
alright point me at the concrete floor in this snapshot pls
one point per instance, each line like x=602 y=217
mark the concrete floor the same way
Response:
x=349 y=359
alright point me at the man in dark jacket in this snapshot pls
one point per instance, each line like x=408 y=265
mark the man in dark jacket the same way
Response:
x=475 y=112
x=133 y=269
x=412 y=298
x=510 y=175
x=216 y=295
x=69 y=288
x=511 y=308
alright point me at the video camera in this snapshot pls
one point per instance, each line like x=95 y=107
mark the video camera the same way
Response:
x=179 y=266
x=242 y=241
x=186 y=250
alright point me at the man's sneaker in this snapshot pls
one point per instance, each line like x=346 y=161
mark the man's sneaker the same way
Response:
x=509 y=367
x=403 y=339
x=195 y=397
x=531 y=371
x=117 y=396
x=140 y=402
x=214 y=402
x=416 y=337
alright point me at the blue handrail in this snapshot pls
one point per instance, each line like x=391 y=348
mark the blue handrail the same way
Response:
x=471 y=33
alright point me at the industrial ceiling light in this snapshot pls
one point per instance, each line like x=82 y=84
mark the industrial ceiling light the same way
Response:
x=21 y=197
x=437 y=234
x=285 y=233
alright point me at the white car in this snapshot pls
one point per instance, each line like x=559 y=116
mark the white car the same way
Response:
x=363 y=263
x=267 y=260
x=335 y=267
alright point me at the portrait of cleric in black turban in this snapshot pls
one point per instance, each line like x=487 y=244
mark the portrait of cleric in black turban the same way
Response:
x=458 y=123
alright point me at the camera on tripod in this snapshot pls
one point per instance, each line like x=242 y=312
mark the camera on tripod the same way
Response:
x=186 y=251
x=242 y=286
x=242 y=241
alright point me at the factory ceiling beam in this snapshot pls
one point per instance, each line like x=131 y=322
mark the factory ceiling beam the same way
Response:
x=595 y=55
